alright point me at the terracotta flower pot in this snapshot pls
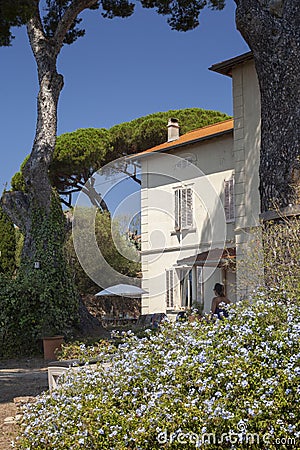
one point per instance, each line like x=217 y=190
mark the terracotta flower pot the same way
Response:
x=51 y=344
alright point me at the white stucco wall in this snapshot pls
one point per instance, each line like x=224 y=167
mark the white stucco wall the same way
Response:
x=246 y=108
x=161 y=246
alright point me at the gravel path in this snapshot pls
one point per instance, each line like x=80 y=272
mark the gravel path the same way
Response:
x=18 y=378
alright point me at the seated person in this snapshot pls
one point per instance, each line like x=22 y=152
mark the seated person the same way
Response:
x=220 y=297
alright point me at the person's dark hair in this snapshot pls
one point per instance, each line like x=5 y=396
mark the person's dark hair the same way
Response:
x=219 y=288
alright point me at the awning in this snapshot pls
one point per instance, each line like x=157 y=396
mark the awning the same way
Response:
x=216 y=257
x=122 y=290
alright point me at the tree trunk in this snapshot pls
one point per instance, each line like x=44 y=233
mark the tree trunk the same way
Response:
x=36 y=211
x=21 y=206
x=90 y=325
x=271 y=29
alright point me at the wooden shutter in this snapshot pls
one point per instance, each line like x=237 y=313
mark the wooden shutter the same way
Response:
x=183 y=208
x=189 y=208
x=177 y=210
x=229 y=207
x=170 y=288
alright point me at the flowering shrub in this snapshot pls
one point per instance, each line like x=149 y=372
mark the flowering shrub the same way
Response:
x=232 y=383
x=83 y=352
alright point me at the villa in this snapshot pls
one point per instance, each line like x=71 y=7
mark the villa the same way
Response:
x=199 y=199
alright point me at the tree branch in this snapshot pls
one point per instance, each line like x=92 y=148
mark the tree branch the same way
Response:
x=95 y=198
x=73 y=181
x=76 y=7
x=133 y=176
x=16 y=205
x=66 y=202
x=69 y=192
x=36 y=33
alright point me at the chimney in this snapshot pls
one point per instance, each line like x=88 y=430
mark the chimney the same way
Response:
x=173 y=129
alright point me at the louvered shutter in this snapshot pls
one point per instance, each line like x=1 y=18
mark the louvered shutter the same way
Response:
x=177 y=210
x=183 y=208
x=189 y=208
x=229 y=206
x=170 y=288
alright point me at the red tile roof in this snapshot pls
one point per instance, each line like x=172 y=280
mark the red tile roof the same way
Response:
x=191 y=137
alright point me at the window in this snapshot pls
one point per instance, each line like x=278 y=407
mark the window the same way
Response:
x=183 y=208
x=170 y=288
x=186 y=287
x=229 y=208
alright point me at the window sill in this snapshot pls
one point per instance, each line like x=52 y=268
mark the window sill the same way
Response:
x=184 y=230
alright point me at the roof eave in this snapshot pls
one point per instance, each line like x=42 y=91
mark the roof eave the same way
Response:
x=183 y=144
x=225 y=67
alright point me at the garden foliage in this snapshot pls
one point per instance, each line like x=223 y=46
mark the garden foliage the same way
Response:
x=38 y=301
x=272 y=258
x=7 y=245
x=232 y=383
x=116 y=249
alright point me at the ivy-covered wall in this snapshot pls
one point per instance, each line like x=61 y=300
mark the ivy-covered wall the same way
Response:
x=7 y=244
x=39 y=301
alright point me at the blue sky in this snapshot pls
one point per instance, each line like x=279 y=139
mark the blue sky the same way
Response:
x=122 y=69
